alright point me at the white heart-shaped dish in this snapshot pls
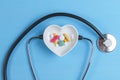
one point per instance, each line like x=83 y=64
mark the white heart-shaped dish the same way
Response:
x=64 y=46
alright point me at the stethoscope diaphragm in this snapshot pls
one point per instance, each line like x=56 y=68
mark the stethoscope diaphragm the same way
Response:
x=108 y=44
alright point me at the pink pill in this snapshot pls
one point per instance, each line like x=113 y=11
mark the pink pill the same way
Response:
x=55 y=38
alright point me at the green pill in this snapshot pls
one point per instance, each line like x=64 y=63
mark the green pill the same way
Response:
x=61 y=43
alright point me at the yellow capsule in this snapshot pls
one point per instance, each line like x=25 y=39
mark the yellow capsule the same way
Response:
x=65 y=40
x=67 y=37
x=54 y=34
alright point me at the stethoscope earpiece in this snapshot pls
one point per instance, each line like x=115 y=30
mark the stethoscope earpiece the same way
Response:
x=108 y=44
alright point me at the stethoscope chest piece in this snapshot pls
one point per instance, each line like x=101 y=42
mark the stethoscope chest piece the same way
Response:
x=108 y=44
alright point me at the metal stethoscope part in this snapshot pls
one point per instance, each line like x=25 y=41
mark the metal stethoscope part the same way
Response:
x=108 y=44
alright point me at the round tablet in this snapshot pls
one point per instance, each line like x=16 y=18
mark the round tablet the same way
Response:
x=51 y=36
x=62 y=37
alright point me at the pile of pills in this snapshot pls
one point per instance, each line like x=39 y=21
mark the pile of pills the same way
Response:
x=59 y=40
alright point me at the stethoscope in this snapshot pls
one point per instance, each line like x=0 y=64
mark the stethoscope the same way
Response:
x=106 y=42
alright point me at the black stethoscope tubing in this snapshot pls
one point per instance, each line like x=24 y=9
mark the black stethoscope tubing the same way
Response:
x=35 y=24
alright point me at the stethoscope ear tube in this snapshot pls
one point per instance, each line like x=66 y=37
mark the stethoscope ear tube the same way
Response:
x=35 y=24
x=40 y=37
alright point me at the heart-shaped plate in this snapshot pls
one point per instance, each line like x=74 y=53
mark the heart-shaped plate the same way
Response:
x=60 y=40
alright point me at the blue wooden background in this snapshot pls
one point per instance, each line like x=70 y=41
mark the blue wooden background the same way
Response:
x=17 y=15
